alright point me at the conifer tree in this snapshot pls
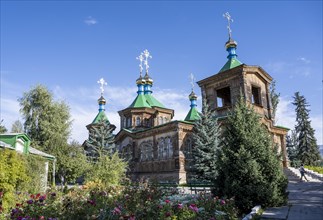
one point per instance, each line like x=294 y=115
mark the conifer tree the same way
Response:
x=307 y=149
x=101 y=140
x=274 y=97
x=206 y=138
x=291 y=145
x=248 y=166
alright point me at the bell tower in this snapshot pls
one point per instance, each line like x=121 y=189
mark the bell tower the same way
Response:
x=223 y=89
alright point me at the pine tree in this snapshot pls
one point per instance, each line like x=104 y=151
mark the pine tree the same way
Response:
x=206 y=138
x=291 y=145
x=248 y=166
x=101 y=140
x=307 y=149
x=274 y=97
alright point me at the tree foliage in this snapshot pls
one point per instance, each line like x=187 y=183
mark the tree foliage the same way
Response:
x=3 y=129
x=13 y=176
x=307 y=149
x=17 y=127
x=101 y=140
x=292 y=151
x=248 y=166
x=71 y=162
x=274 y=98
x=206 y=138
x=47 y=122
x=108 y=170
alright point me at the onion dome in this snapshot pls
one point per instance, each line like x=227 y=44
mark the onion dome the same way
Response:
x=148 y=79
x=101 y=102
x=193 y=114
x=140 y=81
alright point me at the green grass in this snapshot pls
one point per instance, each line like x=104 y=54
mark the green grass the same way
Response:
x=316 y=169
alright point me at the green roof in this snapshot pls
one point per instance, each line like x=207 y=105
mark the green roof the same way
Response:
x=152 y=101
x=100 y=117
x=231 y=63
x=140 y=102
x=192 y=115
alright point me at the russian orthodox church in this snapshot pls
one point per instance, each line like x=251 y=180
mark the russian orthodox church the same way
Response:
x=160 y=148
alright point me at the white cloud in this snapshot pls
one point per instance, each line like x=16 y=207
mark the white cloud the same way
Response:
x=90 y=21
x=286 y=117
x=303 y=59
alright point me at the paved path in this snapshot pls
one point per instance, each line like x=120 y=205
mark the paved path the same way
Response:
x=305 y=201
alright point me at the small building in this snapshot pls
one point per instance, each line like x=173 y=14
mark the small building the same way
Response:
x=20 y=142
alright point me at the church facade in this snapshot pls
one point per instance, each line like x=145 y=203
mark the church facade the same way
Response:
x=160 y=148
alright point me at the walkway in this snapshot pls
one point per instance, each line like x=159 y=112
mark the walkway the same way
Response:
x=305 y=200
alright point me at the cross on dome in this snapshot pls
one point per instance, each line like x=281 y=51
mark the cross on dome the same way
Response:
x=228 y=17
x=102 y=83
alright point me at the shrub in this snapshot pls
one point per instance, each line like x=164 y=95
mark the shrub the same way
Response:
x=13 y=177
x=107 y=171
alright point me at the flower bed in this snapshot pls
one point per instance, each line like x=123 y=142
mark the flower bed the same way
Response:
x=141 y=201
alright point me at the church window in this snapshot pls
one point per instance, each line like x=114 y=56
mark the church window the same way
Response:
x=165 y=148
x=146 y=151
x=169 y=147
x=223 y=97
x=128 y=122
x=138 y=121
x=188 y=148
x=161 y=144
x=255 y=96
x=127 y=152
x=124 y=120
x=160 y=120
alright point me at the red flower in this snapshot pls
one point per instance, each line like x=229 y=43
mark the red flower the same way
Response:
x=167 y=201
x=167 y=214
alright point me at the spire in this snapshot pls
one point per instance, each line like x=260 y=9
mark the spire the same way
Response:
x=101 y=100
x=231 y=46
x=193 y=114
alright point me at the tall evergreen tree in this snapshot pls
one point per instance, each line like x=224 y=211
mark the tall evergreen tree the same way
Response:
x=206 y=138
x=307 y=149
x=248 y=166
x=47 y=122
x=291 y=145
x=274 y=97
x=101 y=140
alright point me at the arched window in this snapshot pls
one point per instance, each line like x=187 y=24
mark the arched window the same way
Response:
x=160 y=120
x=165 y=120
x=138 y=121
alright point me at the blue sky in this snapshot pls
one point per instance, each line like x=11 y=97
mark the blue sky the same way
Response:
x=69 y=46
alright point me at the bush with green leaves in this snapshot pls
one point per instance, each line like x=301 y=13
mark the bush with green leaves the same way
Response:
x=13 y=177
x=108 y=170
